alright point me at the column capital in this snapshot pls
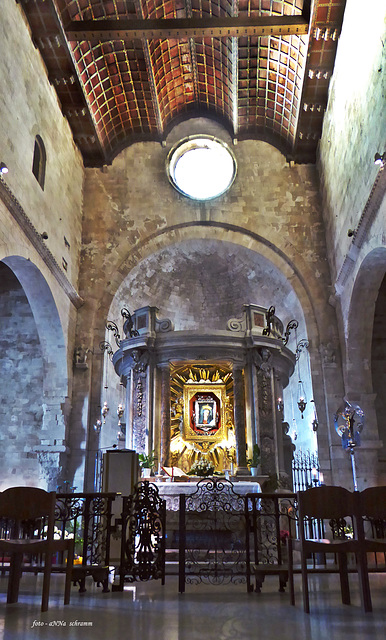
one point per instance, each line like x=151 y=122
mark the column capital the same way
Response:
x=164 y=366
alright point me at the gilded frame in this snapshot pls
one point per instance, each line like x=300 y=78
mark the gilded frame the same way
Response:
x=190 y=420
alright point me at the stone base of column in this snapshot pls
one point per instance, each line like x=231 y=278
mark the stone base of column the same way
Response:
x=243 y=471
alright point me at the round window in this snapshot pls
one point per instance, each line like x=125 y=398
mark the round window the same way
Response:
x=201 y=167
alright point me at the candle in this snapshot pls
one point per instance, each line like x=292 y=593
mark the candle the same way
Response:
x=314 y=473
x=321 y=478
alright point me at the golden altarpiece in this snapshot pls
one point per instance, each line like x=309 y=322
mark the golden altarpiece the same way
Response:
x=193 y=395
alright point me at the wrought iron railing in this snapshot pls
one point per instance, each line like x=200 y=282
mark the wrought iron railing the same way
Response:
x=87 y=517
x=212 y=535
x=143 y=526
x=270 y=520
x=303 y=464
x=222 y=537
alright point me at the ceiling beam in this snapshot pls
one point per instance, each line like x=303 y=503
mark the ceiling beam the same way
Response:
x=59 y=33
x=101 y=30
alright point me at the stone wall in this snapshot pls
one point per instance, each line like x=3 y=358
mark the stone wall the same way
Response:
x=21 y=366
x=46 y=269
x=29 y=107
x=353 y=192
x=135 y=224
x=354 y=126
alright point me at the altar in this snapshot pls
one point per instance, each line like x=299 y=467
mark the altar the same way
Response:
x=171 y=491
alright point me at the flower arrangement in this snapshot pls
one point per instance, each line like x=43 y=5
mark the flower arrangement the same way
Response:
x=284 y=535
x=201 y=467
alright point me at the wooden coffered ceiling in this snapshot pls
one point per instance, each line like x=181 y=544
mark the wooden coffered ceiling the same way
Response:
x=128 y=70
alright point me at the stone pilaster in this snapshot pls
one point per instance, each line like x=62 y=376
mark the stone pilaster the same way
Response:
x=251 y=402
x=239 y=415
x=129 y=410
x=267 y=422
x=165 y=414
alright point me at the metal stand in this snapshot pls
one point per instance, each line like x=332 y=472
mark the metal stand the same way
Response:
x=354 y=473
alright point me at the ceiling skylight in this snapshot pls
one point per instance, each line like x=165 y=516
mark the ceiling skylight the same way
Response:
x=201 y=167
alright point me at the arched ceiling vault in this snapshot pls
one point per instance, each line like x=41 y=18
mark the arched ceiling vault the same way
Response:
x=126 y=70
x=201 y=283
x=293 y=269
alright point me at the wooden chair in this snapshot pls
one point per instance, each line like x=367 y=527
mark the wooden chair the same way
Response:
x=371 y=531
x=318 y=504
x=26 y=512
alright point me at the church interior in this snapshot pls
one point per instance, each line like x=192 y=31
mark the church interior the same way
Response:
x=193 y=246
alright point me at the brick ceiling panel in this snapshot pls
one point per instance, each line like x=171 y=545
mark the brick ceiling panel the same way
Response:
x=173 y=76
x=214 y=71
x=270 y=79
x=257 y=8
x=214 y=8
x=125 y=70
x=115 y=80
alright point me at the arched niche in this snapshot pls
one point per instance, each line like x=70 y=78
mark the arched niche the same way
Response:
x=34 y=364
x=199 y=284
x=362 y=383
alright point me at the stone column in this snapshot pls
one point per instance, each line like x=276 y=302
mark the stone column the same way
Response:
x=129 y=410
x=239 y=414
x=165 y=414
x=278 y=415
x=150 y=406
x=250 y=402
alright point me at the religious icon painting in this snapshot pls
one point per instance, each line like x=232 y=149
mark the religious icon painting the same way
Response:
x=203 y=411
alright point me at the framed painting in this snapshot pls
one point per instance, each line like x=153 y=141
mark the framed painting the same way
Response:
x=204 y=412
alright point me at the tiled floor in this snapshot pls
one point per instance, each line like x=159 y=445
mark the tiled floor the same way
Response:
x=148 y=611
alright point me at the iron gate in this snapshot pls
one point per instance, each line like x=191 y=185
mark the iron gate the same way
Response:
x=211 y=535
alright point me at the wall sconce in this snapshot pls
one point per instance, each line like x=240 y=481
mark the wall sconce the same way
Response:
x=3 y=168
x=98 y=426
x=120 y=412
x=380 y=160
x=302 y=404
x=104 y=412
x=303 y=344
x=280 y=405
x=315 y=423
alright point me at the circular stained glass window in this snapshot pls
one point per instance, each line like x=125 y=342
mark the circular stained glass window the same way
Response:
x=201 y=167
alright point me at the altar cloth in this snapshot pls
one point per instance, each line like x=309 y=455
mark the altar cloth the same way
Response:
x=171 y=491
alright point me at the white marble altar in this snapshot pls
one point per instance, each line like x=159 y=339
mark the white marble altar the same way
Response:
x=171 y=491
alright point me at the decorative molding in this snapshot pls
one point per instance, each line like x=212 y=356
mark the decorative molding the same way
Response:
x=370 y=210
x=163 y=326
x=237 y=324
x=17 y=212
x=139 y=397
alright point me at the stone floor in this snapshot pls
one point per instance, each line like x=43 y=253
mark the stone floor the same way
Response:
x=148 y=611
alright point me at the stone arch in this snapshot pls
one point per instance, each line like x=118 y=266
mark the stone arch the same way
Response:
x=46 y=443
x=360 y=321
x=290 y=263
x=358 y=362
x=359 y=337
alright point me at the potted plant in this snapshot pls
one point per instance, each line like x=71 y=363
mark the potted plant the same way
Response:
x=146 y=463
x=254 y=462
